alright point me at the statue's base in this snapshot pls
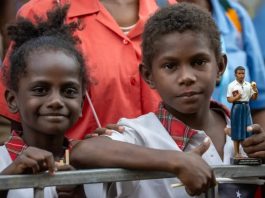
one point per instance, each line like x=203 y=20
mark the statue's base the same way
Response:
x=246 y=161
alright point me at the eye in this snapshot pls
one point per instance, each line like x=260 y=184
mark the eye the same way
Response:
x=70 y=92
x=40 y=90
x=169 y=66
x=199 y=62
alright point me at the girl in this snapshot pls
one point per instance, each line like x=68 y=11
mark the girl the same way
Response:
x=46 y=85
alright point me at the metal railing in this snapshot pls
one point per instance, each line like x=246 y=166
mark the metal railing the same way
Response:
x=39 y=181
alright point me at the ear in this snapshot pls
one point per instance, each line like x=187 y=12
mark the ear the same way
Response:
x=147 y=75
x=221 y=68
x=11 y=100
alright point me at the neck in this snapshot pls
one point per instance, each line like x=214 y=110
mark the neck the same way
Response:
x=51 y=143
x=124 y=12
x=240 y=81
x=199 y=120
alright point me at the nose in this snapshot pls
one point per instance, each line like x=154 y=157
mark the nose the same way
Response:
x=186 y=76
x=55 y=101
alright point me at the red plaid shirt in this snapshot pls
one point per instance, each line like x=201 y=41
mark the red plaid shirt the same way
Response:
x=16 y=145
x=179 y=131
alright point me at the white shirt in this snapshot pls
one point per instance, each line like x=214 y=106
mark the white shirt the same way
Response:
x=244 y=89
x=148 y=131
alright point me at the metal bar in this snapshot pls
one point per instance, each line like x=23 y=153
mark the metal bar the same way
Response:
x=38 y=192
x=211 y=193
x=110 y=175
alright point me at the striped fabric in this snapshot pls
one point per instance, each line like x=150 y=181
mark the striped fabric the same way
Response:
x=16 y=145
x=180 y=132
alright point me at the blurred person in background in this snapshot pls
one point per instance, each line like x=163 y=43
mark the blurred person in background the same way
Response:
x=259 y=22
x=242 y=48
x=8 y=9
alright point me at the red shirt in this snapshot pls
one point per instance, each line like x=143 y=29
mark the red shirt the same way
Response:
x=112 y=57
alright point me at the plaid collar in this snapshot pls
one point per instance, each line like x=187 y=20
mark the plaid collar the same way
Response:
x=16 y=145
x=179 y=131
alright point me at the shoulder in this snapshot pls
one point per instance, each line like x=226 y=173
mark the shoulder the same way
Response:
x=147 y=130
x=231 y=84
x=141 y=120
x=214 y=105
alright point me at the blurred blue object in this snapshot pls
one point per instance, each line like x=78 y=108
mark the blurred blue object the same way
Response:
x=259 y=22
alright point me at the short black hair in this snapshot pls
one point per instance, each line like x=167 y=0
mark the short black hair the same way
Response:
x=180 y=18
x=239 y=68
x=50 y=34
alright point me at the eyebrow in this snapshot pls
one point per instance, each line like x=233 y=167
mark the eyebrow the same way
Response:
x=200 y=54
x=45 y=82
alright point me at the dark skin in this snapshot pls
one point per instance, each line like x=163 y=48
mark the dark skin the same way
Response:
x=196 y=58
x=125 y=12
x=123 y=155
x=49 y=100
x=184 y=72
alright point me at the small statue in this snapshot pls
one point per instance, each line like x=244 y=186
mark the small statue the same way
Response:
x=240 y=93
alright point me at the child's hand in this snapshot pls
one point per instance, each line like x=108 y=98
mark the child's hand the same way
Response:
x=70 y=191
x=31 y=160
x=254 y=146
x=195 y=173
x=106 y=131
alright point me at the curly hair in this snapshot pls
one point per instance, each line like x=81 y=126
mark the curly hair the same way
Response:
x=180 y=18
x=49 y=34
x=239 y=68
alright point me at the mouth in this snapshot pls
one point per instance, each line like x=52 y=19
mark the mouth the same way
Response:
x=54 y=117
x=188 y=94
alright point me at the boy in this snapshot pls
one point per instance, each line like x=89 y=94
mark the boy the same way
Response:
x=182 y=60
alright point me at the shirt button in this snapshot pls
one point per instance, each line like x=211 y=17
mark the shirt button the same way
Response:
x=125 y=42
x=133 y=81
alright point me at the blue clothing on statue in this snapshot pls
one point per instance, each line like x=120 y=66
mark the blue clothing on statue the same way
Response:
x=240 y=119
x=242 y=49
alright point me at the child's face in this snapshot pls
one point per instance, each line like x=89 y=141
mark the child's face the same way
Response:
x=49 y=96
x=240 y=75
x=184 y=71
